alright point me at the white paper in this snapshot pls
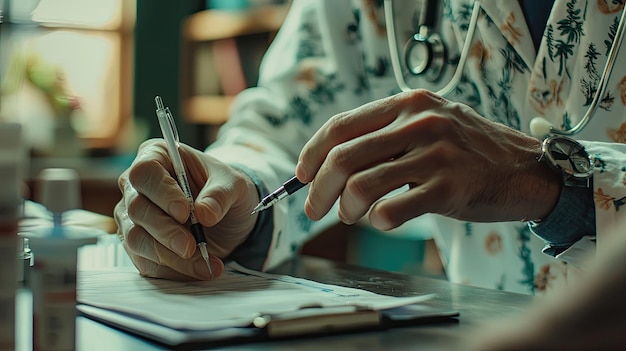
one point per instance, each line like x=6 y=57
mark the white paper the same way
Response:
x=233 y=300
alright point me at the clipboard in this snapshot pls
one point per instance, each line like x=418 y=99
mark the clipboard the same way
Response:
x=305 y=324
x=336 y=310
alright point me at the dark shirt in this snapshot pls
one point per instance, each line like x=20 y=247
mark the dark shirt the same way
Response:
x=536 y=13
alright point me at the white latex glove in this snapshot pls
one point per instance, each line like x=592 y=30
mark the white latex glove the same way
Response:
x=152 y=214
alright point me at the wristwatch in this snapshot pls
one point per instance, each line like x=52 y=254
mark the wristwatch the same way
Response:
x=568 y=157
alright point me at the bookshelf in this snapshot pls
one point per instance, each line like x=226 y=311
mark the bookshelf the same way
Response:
x=221 y=53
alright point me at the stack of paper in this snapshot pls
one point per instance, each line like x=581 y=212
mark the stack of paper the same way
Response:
x=240 y=303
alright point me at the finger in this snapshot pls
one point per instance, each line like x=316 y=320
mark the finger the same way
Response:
x=433 y=188
x=227 y=191
x=224 y=208
x=120 y=215
x=216 y=197
x=324 y=192
x=154 y=259
x=160 y=225
x=197 y=267
x=339 y=129
x=409 y=130
x=151 y=269
x=151 y=175
x=392 y=212
x=391 y=142
x=196 y=169
x=360 y=121
x=144 y=213
x=370 y=185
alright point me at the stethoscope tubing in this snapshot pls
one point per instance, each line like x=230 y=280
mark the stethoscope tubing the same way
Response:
x=395 y=58
x=458 y=73
x=602 y=84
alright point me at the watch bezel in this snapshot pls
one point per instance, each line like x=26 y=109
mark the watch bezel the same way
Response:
x=549 y=148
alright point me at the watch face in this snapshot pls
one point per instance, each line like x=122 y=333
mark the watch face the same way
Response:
x=569 y=156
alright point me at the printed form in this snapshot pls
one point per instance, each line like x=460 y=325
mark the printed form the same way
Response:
x=234 y=300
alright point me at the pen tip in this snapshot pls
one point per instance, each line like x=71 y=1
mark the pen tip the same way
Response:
x=209 y=266
x=258 y=208
x=205 y=255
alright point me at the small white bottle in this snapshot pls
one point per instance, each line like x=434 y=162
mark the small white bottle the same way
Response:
x=55 y=255
x=11 y=164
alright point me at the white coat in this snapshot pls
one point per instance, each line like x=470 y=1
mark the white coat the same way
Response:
x=331 y=56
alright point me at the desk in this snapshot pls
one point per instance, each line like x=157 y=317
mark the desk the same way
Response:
x=474 y=304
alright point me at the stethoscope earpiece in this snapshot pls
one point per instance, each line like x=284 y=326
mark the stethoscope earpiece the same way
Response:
x=540 y=127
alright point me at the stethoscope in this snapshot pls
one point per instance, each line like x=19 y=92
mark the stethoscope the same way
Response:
x=425 y=55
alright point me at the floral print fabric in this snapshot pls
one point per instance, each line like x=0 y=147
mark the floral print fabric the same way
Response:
x=331 y=56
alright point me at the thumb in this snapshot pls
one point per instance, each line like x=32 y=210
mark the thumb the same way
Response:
x=211 y=207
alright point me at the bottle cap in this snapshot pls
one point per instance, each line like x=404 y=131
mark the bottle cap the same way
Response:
x=59 y=189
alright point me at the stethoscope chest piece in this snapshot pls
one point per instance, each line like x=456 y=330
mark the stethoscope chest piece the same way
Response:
x=425 y=60
x=424 y=55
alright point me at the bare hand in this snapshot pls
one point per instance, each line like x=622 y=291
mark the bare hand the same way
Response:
x=152 y=214
x=455 y=162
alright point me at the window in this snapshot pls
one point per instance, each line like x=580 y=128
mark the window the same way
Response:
x=79 y=48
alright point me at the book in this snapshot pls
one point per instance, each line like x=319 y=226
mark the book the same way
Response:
x=228 y=66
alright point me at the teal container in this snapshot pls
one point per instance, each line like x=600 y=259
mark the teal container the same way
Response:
x=397 y=253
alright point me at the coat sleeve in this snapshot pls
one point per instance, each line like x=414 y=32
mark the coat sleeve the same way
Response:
x=572 y=219
x=609 y=197
x=303 y=81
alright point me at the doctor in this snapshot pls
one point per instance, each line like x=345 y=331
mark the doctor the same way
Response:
x=467 y=157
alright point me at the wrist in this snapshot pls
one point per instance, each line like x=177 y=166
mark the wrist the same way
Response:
x=541 y=187
x=548 y=191
x=566 y=158
x=252 y=252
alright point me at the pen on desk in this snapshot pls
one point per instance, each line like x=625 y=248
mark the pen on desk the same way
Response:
x=289 y=187
x=170 y=134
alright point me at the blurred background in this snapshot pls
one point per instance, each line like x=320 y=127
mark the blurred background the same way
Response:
x=81 y=77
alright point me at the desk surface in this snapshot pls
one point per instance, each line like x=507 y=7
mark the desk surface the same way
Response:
x=475 y=305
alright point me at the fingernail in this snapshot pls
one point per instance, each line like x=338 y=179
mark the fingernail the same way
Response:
x=344 y=219
x=179 y=211
x=379 y=223
x=180 y=245
x=202 y=270
x=301 y=172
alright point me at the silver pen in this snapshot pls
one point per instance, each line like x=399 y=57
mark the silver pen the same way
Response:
x=289 y=187
x=170 y=134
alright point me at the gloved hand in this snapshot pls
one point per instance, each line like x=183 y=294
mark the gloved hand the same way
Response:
x=152 y=215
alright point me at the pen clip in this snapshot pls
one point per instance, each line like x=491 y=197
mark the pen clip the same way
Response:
x=170 y=120
x=164 y=113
